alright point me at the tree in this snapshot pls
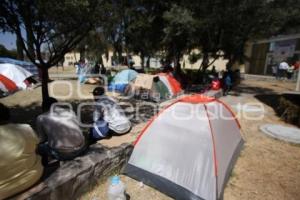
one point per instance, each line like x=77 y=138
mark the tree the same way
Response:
x=94 y=45
x=20 y=53
x=224 y=27
x=55 y=25
x=244 y=21
x=114 y=28
x=178 y=32
x=144 y=31
x=282 y=17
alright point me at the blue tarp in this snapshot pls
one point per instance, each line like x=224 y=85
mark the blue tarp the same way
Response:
x=121 y=80
x=26 y=65
x=117 y=87
x=124 y=77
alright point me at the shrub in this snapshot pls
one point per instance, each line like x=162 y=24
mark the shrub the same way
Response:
x=289 y=108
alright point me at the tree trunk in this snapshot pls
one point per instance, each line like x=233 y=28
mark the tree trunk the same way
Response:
x=75 y=57
x=205 y=61
x=177 y=64
x=142 y=56
x=230 y=63
x=82 y=53
x=100 y=60
x=45 y=77
x=20 y=53
x=120 y=58
x=30 y=41
x=148 y=62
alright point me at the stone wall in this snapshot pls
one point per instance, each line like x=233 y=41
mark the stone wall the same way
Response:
x=74 y=178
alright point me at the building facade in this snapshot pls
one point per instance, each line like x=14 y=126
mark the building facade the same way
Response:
x=268 y=53
x=71 y=58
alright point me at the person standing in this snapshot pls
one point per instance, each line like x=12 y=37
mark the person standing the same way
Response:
x=296 y=69
x=274 y=70
x=289 y=72
x=282 y=69
x=227 y=83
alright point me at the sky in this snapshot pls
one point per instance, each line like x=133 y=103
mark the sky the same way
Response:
x=8 y=40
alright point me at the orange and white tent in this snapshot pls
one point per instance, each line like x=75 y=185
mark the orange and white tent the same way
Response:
x=156 y=87
x=172 y=84
x=7 y=85
x=12 y=77
x=188 y=150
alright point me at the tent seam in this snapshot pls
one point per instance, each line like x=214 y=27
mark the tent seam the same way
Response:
x=214 y=148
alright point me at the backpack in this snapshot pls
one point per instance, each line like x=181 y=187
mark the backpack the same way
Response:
x=100 y=129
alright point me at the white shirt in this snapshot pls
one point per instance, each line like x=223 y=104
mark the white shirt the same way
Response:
x=112 y=114
x=283 y=66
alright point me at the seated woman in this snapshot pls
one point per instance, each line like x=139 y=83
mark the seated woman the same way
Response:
x=20 y=166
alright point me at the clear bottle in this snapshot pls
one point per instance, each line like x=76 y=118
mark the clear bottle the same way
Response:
x=116 y=189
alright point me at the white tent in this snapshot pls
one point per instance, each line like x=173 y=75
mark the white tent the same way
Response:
x=188 y=150
x=15 y=73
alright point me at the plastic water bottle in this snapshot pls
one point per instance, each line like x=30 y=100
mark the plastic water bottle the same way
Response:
x=116 y=190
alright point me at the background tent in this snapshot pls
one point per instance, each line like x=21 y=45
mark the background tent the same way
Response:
x=7 y=85
x=122 y=79
x=172 y=84
x=14 y=74
x=26 y=65
x=150 y=87
x=188 y=150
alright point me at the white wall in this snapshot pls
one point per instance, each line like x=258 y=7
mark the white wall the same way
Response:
x=71 y=58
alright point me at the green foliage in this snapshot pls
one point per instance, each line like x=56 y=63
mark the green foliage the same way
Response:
x=144 y=30
x=53 y=26
x=7 y=53
x=179 y=29
x=289 y=108
x=194 y=57
x=147 y=27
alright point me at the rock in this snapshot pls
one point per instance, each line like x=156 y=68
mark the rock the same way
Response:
x=74 y=178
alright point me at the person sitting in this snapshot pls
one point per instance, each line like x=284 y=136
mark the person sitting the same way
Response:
x=98 y=131
x=20 y=166
x=59 y=132
x=108 y=110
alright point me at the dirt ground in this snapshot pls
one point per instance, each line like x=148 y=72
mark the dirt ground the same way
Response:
x=266 y=169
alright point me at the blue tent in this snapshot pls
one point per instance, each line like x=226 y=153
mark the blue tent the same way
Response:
x=26 y=65
x=121 y=80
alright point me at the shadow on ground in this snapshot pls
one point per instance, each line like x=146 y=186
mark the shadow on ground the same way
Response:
x=271 y=100
x=251 y=90
x=26 y=114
